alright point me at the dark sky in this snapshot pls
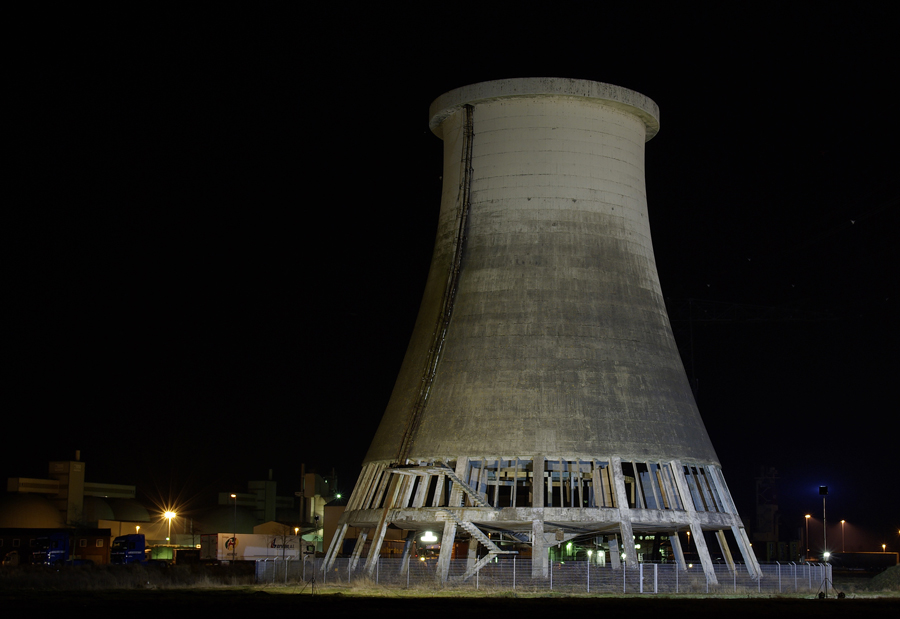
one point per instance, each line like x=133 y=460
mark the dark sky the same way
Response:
x=224 y=224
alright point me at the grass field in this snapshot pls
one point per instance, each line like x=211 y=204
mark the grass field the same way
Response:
x=147 y=593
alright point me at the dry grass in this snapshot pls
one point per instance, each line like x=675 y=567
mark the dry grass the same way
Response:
x=105 y=578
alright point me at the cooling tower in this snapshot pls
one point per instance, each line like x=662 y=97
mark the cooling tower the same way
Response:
x=542 y=396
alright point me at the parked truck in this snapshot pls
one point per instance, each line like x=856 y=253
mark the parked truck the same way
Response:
x=55 y=549
x=248 y=547
x=132 y=549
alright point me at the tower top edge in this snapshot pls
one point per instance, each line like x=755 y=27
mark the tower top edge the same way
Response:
x=609 y=94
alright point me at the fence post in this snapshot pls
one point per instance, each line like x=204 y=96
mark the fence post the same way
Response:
x=514 y=573
x=675 y=565
x=655 y=578
x=588 y=576
x=640 y=577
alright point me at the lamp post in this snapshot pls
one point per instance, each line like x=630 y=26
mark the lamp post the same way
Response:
x=823 y=490
x=842 y=535
x=234 y=540
x=168 y=516
x=807 y=537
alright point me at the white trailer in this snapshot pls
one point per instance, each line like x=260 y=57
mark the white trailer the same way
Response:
x=248 y=547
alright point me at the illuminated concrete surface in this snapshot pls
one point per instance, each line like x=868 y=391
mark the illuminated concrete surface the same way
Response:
x=542 y=393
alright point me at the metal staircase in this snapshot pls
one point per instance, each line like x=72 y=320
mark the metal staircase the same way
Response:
x=475 y=532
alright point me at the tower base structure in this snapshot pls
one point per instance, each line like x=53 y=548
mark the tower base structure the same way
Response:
x=492 y=499
x=542 y=397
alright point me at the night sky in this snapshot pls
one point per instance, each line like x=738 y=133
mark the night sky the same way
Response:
x=224 y=224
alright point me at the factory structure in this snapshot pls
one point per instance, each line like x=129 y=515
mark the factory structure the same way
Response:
x=542 y=398
x=94 y=513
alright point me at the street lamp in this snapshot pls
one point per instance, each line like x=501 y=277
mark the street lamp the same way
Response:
x=807 y=537
x=823 y=491
x=234 y=541
x=842 y=535
x=168 y=516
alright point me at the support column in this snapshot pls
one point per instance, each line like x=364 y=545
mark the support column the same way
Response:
x=449 y=535
x=540 y=558
x=443 y=563
x=378 y=539
x=726 y=552
x=407 y=550
x=336 y=542
x=675 y=540
x=737 y=527
x=614 y=552
x=357 y=550
x=696 y=530
x=473 y=554
x=537 y=482
x=625 y=528
x=747 y=551
x=631 y=559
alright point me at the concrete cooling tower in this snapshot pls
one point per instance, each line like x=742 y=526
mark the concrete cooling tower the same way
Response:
x=542 y=397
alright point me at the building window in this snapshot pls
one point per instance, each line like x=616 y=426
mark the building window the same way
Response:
x=82 y=543
x=99 y=543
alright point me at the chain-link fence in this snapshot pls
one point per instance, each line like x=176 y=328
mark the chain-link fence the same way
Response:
x=569 y=576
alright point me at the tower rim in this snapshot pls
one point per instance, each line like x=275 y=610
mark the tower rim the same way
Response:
x=614 y=96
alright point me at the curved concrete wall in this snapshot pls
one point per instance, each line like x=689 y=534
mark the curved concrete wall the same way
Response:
x=558 y=342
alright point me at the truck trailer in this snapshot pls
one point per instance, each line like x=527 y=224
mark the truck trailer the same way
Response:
x=248 y=547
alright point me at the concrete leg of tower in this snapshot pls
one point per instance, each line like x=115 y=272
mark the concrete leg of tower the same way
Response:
x=625 y=517
x=408 y=545
x=627 y=532
x=726 y=551
x=740 y=534
x=336 y=542
x=703 y=551
x=454 y=500
x=614 y=552
x=675 y=540
x=737 y=527
x=358 y=548
x=443 y=563
x=394 y=488
x=473 y=554
x=540 y=558
x=696 y=529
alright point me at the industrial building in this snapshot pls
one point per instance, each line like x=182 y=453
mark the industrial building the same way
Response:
x=94 y=513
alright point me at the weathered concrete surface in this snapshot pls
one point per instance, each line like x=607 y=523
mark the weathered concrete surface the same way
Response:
x=542 y=341
x=558 y=342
